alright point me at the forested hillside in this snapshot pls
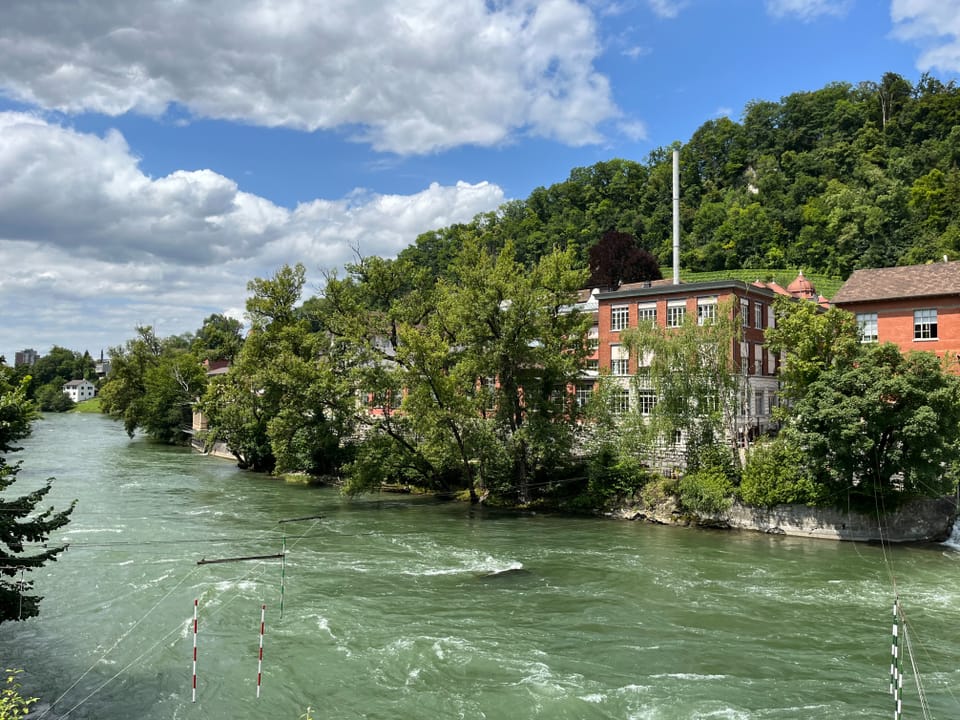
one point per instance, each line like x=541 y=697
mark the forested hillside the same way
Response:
x=832 y=180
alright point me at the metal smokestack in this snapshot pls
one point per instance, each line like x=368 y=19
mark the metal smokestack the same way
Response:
x=676 y=217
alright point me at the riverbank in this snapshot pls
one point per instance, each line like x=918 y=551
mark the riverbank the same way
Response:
x=922 y=520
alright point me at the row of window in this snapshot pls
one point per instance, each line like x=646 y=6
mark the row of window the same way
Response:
x=645 y=400
x=924 y=325
x=677 y=311
x=620 y=360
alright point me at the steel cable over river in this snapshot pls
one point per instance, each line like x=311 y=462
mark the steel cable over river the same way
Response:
x=403 y=607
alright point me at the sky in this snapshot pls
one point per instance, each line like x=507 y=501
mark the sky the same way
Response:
x=157 y=155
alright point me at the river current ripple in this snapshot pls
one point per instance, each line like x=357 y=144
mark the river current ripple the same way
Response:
x=405 y=608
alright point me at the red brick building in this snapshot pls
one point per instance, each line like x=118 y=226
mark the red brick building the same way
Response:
x=668 y=305
x=916 y=307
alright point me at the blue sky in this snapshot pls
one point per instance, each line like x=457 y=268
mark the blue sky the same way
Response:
x=157 y=155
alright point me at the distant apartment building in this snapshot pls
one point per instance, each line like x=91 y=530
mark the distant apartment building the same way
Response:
x=79 y=390
x=25 y=357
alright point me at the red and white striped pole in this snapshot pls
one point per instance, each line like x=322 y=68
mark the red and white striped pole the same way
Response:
x=194 y=698
x=263 y=610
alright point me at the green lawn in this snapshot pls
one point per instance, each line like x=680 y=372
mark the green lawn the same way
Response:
x=88 y=406
x=824 y=284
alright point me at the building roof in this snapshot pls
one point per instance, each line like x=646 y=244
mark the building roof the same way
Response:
x=911 y=281
x=77 y=383
x=802 y=288
x=658 y=288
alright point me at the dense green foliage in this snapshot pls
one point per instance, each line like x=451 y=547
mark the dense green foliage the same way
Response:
x=776 y=472
x=24 y=529
x=454 y=366
x=840 y=178
x=467 y=377
x=153 y=384
x=49 y=374
x=884 y=427
x=284 y=404
x=868 y=426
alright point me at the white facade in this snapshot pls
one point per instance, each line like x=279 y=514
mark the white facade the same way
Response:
x=80 y=390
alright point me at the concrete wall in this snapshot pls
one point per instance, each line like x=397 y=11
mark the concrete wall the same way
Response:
x=219 y=449
x=920 y=520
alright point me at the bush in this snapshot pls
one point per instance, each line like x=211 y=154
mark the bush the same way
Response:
x=13 y=706
x=776 y=473
x=613 y=475
x=659 y=491
x=707 y=491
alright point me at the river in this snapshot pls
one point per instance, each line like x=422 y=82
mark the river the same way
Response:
x=389 y=611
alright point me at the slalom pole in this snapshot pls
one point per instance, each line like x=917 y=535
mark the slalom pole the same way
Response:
x=194 y=698
x=896 y=672
x=283 y=567
x=263 y=610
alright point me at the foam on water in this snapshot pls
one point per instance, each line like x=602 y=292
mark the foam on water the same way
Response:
x=954 y=540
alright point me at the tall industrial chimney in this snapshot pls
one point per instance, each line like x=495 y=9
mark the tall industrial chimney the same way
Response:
x=676 y=217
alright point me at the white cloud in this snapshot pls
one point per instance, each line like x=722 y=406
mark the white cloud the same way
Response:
x=90 y=246
x=935 y=25
x=636 y=51
x=634 y=130
x=807 y=10
x=407 y=77
x=667 y=8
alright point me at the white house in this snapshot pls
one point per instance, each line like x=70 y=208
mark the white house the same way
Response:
x=80 y=390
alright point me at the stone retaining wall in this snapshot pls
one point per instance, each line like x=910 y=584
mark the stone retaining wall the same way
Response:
x=927 y=520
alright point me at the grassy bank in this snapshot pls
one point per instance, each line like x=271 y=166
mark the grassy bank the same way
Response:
x=88 y=406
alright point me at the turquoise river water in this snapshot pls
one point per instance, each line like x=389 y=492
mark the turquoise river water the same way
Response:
x=390 y=611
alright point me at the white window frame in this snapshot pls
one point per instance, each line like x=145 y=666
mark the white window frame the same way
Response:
x=646 y=400
x=925 y=324
x=620 y=401
x=707 y=310
x=619 y=360
x=758 y=314
x=619 y=317
x=676 y=312
x=744 y=312
x=867 y=323
x=647 y=312
x=584 y=392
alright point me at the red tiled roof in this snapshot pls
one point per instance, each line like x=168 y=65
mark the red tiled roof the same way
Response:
x=942 y=278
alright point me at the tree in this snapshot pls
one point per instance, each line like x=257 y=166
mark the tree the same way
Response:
x=883 y=428
x=13 y=706
x=469 y=375
x=52 y=398
x=219 y=338
x=688 y=373
x=516 y=331
x=811 y=341
x=24 y=530
x=617 y=258
x=284 y=404
x=152 y=385
x=56 y=368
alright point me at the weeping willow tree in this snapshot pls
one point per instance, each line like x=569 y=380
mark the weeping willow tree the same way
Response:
x=689 y=392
